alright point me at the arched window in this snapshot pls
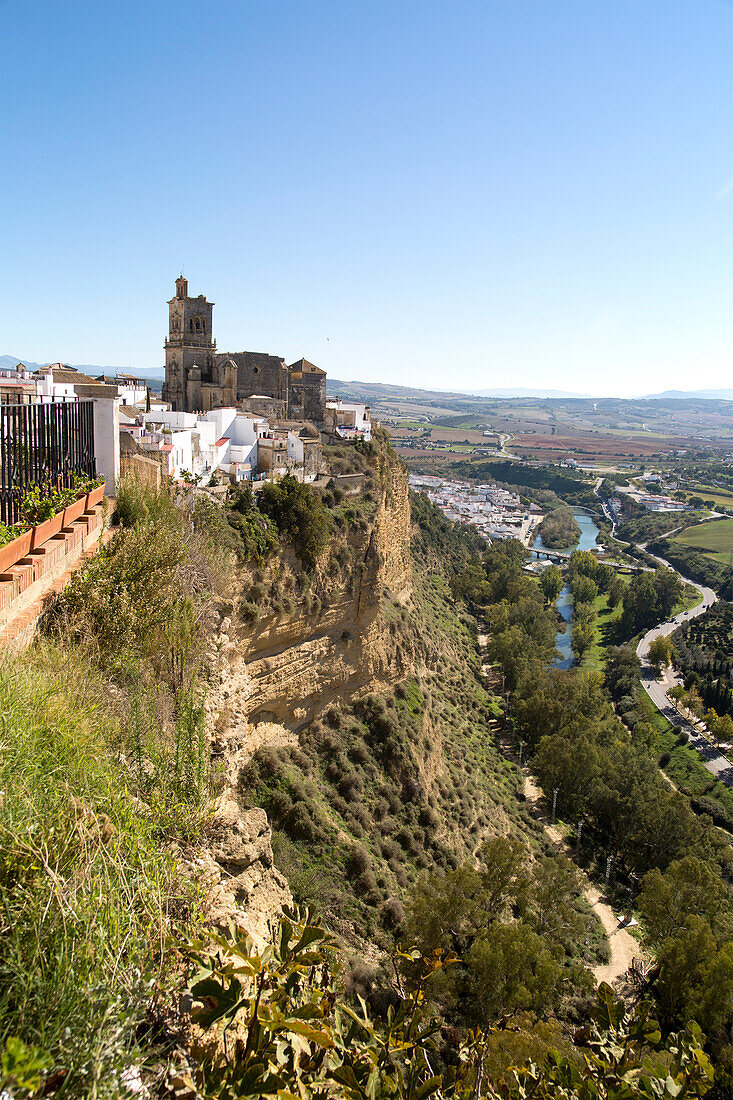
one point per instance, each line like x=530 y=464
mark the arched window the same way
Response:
x=198 y=325
x=190 y=325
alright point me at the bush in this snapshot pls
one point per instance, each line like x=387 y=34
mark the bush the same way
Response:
x=300 y=516
x=249 y=611
x=140 y=605
x=358 y=860
x=392 y=913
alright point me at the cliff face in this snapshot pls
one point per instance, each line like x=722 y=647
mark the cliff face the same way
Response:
x=271 y=677
x=298 y=662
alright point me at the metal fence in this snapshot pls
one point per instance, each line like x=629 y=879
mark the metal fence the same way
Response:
x=43 y=445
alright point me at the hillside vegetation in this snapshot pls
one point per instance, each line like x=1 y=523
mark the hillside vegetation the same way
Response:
x=394 y=804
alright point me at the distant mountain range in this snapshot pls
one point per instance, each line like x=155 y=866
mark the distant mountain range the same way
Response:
x=374 y=390
x=687 y=395
x=10 y=362
x=520 y=392
x=359 y=390
x=386 y=390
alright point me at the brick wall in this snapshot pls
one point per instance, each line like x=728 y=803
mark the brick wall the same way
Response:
x=26 y=586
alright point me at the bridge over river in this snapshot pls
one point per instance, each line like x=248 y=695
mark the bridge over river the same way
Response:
x=588 y=540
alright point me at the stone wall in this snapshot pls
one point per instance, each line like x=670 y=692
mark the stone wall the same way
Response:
x=143 y=469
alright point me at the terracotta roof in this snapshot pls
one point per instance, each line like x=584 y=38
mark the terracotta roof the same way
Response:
x=221 y=442
x=167 y=447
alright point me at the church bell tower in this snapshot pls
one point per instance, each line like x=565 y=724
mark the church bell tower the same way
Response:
x=190 y=345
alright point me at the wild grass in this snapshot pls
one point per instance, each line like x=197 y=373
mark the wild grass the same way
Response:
x=89 y=888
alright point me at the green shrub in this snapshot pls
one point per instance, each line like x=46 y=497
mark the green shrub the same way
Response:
x=300 y=516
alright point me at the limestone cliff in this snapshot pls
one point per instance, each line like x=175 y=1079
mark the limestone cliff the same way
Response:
x=337 y=641
x=270 y=677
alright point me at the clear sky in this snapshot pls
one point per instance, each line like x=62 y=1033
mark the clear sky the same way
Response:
x=454 y=195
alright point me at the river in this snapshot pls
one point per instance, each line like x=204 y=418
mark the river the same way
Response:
x=588 y=535
x=563 y=640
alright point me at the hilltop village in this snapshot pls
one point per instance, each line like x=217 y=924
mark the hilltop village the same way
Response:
x=222 y=418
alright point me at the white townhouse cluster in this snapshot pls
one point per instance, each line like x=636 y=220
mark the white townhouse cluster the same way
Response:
x=495 y=512
x=224 y=441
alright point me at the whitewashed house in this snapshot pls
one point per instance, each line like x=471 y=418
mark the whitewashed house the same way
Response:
x=347 y=419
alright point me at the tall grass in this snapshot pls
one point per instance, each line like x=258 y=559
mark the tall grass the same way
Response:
x=95 y=797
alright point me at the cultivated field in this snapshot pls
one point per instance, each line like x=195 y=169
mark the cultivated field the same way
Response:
x=715 y=538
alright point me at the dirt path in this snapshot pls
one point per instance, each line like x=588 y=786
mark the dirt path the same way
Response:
x=623 y=947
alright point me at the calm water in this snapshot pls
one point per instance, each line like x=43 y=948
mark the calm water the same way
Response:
x=588 y=535
x=588 y=539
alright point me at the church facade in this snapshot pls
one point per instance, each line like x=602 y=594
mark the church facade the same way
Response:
x=198 y=378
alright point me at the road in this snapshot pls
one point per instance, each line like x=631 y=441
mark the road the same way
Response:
x=717 y=764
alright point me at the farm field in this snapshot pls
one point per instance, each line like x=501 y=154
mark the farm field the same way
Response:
x=714 y=538
x=725 y=500
x=593 y=445
x=436 y=434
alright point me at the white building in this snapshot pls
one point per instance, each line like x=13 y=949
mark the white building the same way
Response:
x=348 y=420
x=199 y=443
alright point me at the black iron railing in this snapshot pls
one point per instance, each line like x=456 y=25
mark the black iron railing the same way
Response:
x=43 y=445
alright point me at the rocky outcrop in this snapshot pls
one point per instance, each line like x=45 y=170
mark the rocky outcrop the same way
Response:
x=244 y=889
x=300 y=662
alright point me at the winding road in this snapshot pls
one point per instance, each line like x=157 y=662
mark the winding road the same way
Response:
x=717 y=764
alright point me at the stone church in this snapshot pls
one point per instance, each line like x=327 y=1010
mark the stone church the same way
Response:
x=198 y=378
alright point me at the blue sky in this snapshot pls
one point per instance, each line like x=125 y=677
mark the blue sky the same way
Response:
x=452 y=194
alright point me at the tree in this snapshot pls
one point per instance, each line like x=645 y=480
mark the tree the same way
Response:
x=583 y=614
x=683 y=965
x=584 y=589
x=669 y=588
x=502 y=862
x=292 y=1036
x=300 y=516
x=510 y=969
x=641 y=603
x=551 y=583
x=660 y=652
x=615 y=592
x=689 y=886
x=622 y=672
x=582 y=639
x=722 y=729
x=549 y=905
